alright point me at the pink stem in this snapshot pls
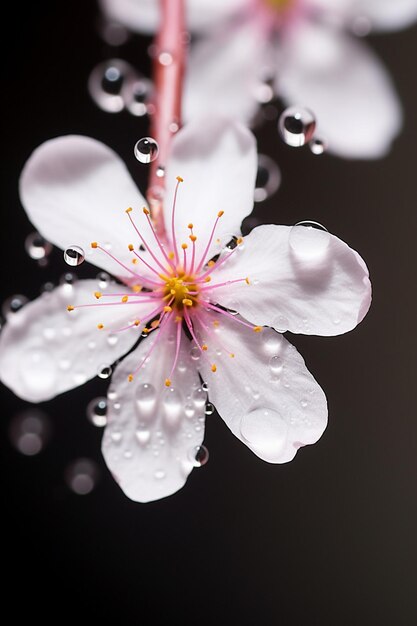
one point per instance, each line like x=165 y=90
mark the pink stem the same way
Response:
x=168 y=72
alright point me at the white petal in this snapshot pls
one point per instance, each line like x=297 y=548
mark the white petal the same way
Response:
x=144 y=15
x=46 y=350
x=75 y=190
x=382 y=14
x=153 y=431
x=301 y=279
x=347 y=88
x=232 y=59
x=216 y=157
x=265 y=394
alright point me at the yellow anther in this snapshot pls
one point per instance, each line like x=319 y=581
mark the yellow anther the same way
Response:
x=167 y=309
x=70 y=307
x=220 y=213
x=100 y=326
x=193 y=238
x=131 y=247
x=173 y=292
x=155 y=324
x=216 y=323
x=134 y=261
x=211 y=263
x=184 y=246
x=94 y=244
x=136 y=322
x=136 y=288
x=129 y=210
x=239 y=240
x=247 y=281
x=187 y=302
x=98 y=294
x=257 y=329
x=178 y=319
x=145 y=210
x=171 y=255
x=232 y=355
x=145 y=331
x=190 y=226
x=179 y=179
x=167 y=382
x=204 y=347
x=207 y=279
x=125 y=298
x=164 y=277
x=130 y=378
x=214 y=368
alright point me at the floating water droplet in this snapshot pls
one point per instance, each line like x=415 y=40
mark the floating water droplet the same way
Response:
x=47 y=287
x=103 y=280
x=160 y=171
x=264 y=93
x=30 y=431
x=361 y=25
x=199 y=397
x=145 y=399
x=189 y=410
x=317 y=145
x=74 y=255
x=309 y=240
x=199 y=455
x=68 y=279
x=136 y=94
x=276 y=366
x=112 y=393
x=104 y=371
x=159 y=474
x=37 y=247
x=268 y=178
x=146 y=150
x=195 y=353
x=13 y=304
x=265 y=430
x=143 y=436
x=81 y=476
x=38 y=372
x=97 y=411
x=106 y=82
x=296 y=126
x=209 y=410
x=113 y=33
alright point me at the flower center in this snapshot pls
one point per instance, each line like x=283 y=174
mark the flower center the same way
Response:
x=181 y=290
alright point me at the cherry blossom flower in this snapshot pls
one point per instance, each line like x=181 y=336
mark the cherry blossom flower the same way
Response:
x=305 y=49
x=209 y=304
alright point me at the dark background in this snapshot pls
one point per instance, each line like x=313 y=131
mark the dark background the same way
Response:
x=329 y=539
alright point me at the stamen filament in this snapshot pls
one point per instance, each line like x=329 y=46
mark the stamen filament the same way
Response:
x=174 y=240
x=144 y=242
x=200 y=265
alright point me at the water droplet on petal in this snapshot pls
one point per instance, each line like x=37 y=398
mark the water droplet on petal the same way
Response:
x=116 y=434
x=30 y=431
x=199 y=397
x=199 y=455
x=317 y=146
x=309 y=240
x=74 y=255
x=271 y=340
x=104 y=371
x=268 y=178
x=112 y=340
x=205 y=386
x=13 y=304
x=159 y=474
x=209 y=410
x=97 y=411
x=106 y=82
x=265 y=430
x=145 y=398
x=296 y=126
x=38 y=371
x=173 y=405
x=146 y=150
x=195 y=353
x=37 y=247
x=143 y=436
x=81 y=476
x=276 y=366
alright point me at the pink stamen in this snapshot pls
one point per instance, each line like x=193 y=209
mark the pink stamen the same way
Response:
x=193 y=256
x=211 y=334
x=200 y=265
x=217 y=264
x=158 y=241
x=217 y=285
x=157 y=340
x=184 y=256
x=84 y=306
x=191 y=329
x=120 y=263
x=229 y=315
x=144 y=243
x=177 y=349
